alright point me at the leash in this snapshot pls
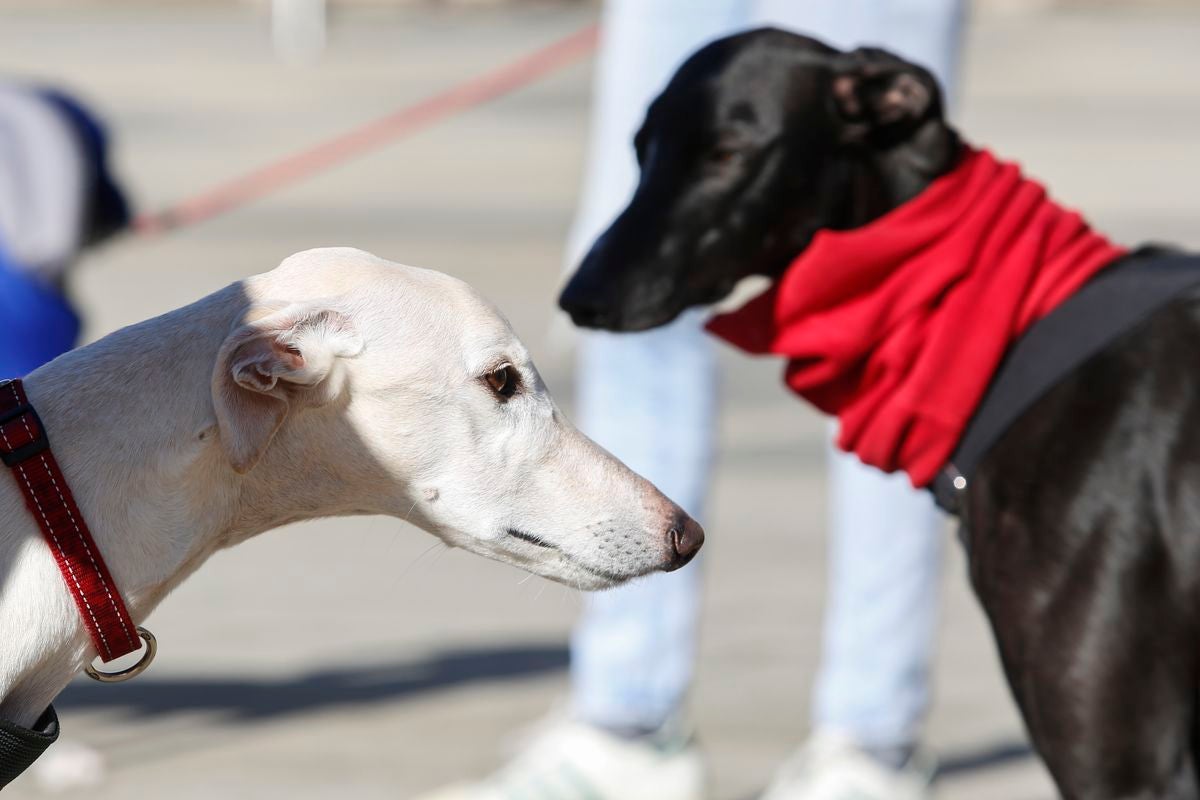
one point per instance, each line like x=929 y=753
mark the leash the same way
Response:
x=462 y=97
x=25 y=449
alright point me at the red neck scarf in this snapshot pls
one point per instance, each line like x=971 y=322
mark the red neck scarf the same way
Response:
x=898 y=326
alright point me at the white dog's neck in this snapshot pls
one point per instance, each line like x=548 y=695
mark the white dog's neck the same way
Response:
x=148 y=479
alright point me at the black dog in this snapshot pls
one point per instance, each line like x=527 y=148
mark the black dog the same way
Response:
x=1082 y=518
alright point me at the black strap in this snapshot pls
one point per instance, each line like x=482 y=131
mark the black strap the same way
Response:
x=1109 y=305
x=20 y=747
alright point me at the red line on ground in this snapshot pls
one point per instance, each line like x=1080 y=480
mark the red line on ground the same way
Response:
x=469 y=94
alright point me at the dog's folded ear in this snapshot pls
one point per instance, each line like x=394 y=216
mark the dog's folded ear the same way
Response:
x=283 y=360
x=882 y=98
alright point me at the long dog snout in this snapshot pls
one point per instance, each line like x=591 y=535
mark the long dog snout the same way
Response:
x=619 y=525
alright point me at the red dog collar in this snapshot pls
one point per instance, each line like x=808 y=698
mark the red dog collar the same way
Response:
x=25 y=449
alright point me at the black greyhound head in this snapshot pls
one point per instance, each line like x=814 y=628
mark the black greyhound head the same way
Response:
x=758 y=141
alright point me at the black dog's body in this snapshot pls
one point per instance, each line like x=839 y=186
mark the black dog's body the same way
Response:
x=1081 y=521
x=1081 y=526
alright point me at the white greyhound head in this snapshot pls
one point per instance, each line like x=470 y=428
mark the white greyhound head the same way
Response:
x=373 y=387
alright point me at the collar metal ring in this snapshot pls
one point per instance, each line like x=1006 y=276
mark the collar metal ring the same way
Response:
x=148 y=654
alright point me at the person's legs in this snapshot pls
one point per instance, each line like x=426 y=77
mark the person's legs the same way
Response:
x=885 y=549
x=633 y=650
x=648 y=397
x=872 y=688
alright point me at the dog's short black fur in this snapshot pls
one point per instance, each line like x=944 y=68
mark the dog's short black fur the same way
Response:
x=1083 y=521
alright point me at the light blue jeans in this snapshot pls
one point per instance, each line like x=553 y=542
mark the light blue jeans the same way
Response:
x=650 y=399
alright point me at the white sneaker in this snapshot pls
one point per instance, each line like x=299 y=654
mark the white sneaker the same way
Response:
x=573 y=761
x=831 y=767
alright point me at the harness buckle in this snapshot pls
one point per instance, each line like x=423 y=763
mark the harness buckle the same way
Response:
x=40 y=443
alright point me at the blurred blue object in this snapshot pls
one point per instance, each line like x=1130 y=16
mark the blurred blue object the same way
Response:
x=58 y=197
x=37 y=323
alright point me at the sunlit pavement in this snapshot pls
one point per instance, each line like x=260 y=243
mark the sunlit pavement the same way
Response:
x=348 y=658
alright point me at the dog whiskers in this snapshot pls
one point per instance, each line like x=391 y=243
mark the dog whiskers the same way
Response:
x=409 y=567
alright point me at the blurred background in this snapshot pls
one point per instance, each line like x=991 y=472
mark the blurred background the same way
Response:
x=358 y=657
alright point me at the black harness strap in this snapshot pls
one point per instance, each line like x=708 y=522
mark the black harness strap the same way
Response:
x=1109 y=305
x=20 y=747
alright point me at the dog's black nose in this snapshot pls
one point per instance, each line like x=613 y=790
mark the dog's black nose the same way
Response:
x=591 y=296
x=685 y=536
x=584 y=303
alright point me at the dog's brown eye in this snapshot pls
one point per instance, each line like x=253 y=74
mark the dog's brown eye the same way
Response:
x=503 y=380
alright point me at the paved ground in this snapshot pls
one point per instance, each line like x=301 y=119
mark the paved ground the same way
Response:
x=345 y=657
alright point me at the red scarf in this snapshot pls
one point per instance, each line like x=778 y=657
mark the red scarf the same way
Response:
x=898 y=326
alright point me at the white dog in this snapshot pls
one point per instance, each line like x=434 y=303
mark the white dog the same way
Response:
x=336 y=384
